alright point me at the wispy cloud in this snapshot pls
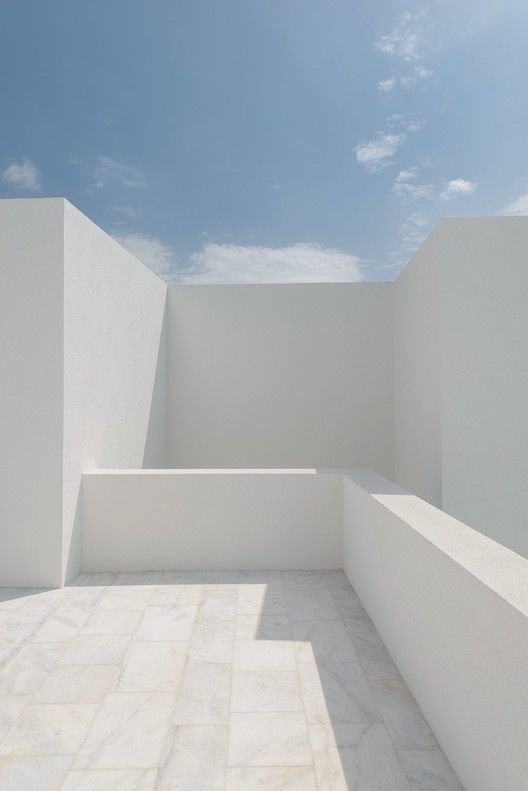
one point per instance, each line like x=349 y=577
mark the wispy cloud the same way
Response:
x=298 y=263
x=405 y=184
x=407 y=39
x=23 y=176
x=109 y=170
x=518 y=207
x=377 y=154
x=150 y=250
x=414 y=231
x=386 y=86
x=457 y=187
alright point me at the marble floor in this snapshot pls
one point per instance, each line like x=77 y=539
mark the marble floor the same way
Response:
x=204 y=681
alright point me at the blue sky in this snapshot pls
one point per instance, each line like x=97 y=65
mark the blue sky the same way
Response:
x=267 y=140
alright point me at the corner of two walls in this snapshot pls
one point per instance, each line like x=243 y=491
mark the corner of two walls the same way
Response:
x=114 y=348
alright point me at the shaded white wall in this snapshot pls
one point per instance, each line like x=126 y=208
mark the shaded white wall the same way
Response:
x=211 y=519
x=461 y=375
x=280 y=376
x=113 y=321
x=452 y=608
x=485 y=377
x=31 y=395
x=417 y=373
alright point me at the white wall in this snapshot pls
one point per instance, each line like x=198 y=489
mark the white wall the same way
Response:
x=452 y=608
x=485 y=377
x=461 y=375
x=280 y=376
x=240 y=519
x=113 y=320
x=417 y=372
x=31 y=252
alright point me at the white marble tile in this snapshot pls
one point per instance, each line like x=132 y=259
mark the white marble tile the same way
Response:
x=90 y=579
x=263 y=627
x=11 y=707
x=96 y=649
x=304 y=580
x=40 y=603
x=48 y=728
x=218 y=601
x=126 y=597
x=112 y=622
x=311 y=605
x=203 y=695
x=128 y=733
x=33 y=773
x=264 y=655
x=356 y=757
x=13 y=635
x=261 y=599
x=111 y=780
x=167 y=623
x=139 y=578
x=251 y=576
x=270 y=739
x=82 y=595
x=374 y=658
x=152 y=667
x=271 y=690
x=213 y=640
x=271 y=778
x=177 y=594
x=11 y=598
x=337 y=692
x=219 y=577
x=406 y=724
x=77 y=684
x=428 y=770
x=195 y=759
x=63 y=625
x=336 y=579
x=30 y=667
x=183 y=577
x=322 y=640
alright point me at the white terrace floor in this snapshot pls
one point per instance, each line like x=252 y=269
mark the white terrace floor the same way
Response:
x=214 y=680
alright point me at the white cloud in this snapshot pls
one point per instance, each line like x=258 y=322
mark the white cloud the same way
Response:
x=298 y=263
x=109 y=170
x=418 y=74
x=414 y=231
x=457 y=187
x=149 y=250
x=518 y=207
x=407 y=39
x=386 y=86
x=23 y=176
x=405 y=186
x=377 y=153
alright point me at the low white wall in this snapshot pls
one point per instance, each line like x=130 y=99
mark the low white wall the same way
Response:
x=136 y=520
x=280 y=376
x=452 y=608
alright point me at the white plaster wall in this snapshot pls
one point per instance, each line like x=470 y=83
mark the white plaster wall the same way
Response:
x=452 y=608
x=280 y=375
x=113 y=321
x=417 y=372
x=485 y=377
x=31 y=253
x=140 y=520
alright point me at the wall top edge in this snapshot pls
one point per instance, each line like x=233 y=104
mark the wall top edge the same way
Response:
x=215 y=471
x=497 y=567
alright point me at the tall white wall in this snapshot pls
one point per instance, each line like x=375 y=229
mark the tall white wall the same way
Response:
x=417 y=373
x=280 y=376
x=485 y=377
x=31 y=253
x=113 y=385
x=461 y=375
